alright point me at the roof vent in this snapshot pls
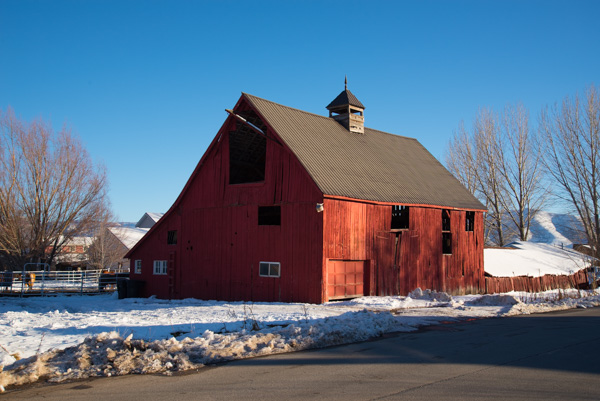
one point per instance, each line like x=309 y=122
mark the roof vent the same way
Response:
x=347 y=110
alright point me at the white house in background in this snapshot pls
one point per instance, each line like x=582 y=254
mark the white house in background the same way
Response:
x=148 y=220
x=73 y=254
x=126 y=236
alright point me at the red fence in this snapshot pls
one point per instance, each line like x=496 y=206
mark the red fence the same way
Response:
x=535 y=284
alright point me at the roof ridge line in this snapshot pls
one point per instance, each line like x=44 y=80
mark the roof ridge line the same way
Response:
x=324 y=117
x=283 y=105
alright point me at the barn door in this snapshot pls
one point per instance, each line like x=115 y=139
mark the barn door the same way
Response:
x=345 y=279
x=397 y=262
x=386 y=245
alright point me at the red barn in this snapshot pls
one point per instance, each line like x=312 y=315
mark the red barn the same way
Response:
x=291 y=206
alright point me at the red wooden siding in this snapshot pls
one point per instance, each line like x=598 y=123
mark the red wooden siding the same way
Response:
x=402 y=260
x=155 y=248
x=220 y=243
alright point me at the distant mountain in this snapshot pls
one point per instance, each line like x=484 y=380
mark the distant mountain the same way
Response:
x=559 y=229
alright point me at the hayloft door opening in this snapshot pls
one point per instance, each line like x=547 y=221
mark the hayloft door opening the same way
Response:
x=247 y=150
x=345 y=279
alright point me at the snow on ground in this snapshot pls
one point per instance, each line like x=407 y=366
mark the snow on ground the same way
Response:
x=532 y=259
x=70 y=337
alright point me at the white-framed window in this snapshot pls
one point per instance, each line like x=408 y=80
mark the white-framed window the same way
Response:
x=137 y=266
x=160 y=267
x=269 y=269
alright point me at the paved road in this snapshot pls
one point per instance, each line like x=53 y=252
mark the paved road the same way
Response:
x=536 y=357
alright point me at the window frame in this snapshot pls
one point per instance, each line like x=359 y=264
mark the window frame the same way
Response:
x=172 y=237
x=137 y=266
x=161 y=267
x=269 y=272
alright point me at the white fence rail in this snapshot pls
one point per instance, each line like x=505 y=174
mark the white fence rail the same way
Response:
x=40 y=282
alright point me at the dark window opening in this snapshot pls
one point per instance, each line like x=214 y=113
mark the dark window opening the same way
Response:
x=445 y=220
x=172 y=237
x=470 y=220
x=400 y=217
x=269 y=215
x=447 y=243
x=247 y=152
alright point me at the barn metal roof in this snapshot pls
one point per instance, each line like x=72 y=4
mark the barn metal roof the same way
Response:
x=374 y=166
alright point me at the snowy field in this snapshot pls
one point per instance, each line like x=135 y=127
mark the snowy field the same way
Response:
x=69 y=337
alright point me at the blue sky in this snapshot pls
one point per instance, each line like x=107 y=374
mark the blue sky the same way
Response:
x=145 y=83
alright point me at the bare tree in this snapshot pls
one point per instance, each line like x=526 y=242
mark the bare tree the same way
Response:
x=473 y=159
x=50 y=190
x=461 y=160
x=491 y=187
x=520 y=167
x=499 y=161
x=572 y=134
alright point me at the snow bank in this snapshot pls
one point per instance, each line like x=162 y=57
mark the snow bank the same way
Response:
x=108 y=354
x=65 y=338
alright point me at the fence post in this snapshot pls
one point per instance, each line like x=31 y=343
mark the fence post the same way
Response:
x=82 y=275
x=43 y=280
x=23 y=282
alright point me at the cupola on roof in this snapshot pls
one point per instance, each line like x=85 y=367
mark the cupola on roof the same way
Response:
x=345 y=98
x=348 y=110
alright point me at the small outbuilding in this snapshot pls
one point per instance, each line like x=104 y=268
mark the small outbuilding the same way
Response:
x=291 y=206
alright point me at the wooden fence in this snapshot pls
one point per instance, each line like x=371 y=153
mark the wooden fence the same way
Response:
x=494 y=285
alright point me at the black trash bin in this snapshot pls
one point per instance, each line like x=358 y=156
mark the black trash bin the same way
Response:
x=134 y=288
x=122 y=287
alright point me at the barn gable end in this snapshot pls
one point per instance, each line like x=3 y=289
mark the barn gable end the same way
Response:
x=220 y=242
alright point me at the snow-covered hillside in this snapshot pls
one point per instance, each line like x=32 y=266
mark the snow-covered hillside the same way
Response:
x=556 y=229
x=548 y=228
